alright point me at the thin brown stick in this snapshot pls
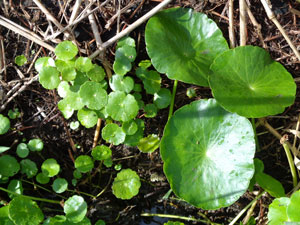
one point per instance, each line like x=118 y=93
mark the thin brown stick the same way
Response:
x=75 y=11
x=231 y=25
x=24 y=32
x=97 y=133
x=2 y=59
x=243 y=23
x=130 y=28
x=272 y=17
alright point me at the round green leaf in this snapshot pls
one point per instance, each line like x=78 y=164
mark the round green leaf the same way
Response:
x=213 y=150
x=293 y=207
x=16 y=187
x=122 y=64
x=77 y=174
x=29 y=168
x=22 y=150
x=25 y=211
x=49 y=77
x=35 y=145
x=96 y=74
x=247 y=81
x=9 y=166
x=20 y=60
x=150 y=110
x=42 y=178
x=126 y=41
x=121 y=83
x=50 y=167
x=73 y=100
x=126 y=185
x=122 y=107
x=114 y=134
x=84 y=163
x=277 y=214
x=43 y=62
x=128 y=51
x=149 y=144
x=66 y=50
x=4 y=217
x=145 y=63
x=68 y=74
x=162 y=99
x=93 y=95
x=66 y=108
x=83 y=64
x=63 y=89
x=4 y=124
x=88 y=118
x=182 y=44
x=151 y=80
x=60 y=185
x=133 y=140
x=74 y=125
x=61 y=65
x=75 y=209
x=130 y=127
x=101 y=152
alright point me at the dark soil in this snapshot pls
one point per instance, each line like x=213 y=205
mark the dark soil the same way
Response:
x=40 y=117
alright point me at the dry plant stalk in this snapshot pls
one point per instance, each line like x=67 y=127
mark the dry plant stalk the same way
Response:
x=243 y=23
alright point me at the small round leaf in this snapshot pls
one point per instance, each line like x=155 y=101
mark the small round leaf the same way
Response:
x=162 y=99
x=277 y=214
x=122 y=107
x=130 y=127
x=122 y=64
x=16 y=187
x=75 y=209
x=133 y=140
x=66 y=50
x=151 y=80
x=43 y=62
x=213 y=150
x=93 y=95
x=84 y=163
x=77 y=174
x=126 y=185
x=60 y=185
x=182 y=44
x=22 y=150
x=9 y=166
x=246 y=81
x=29 y=168
x=149 y=144
x=88 y=118
x=74 y=125
x=101 y=152
x=49 y=77
x=42 y=178
x=126 y=41
x=293 y=207
x=83 y=64
x=114 y=134
x=20 y=60
x=96 y=74
x=50 y=167
x=150 y=110
x=66 y=108
x=68 y=74
x=35 y=145
x=121 y=83
x=63 y=89
x=4 y=124
x=25 y=211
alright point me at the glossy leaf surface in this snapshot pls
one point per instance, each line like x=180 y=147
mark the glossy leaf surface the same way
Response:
x=84 y=163
x=75 y=208
x=28 y=167
x=277 y=211
x=114 y=134
x=60 y=185
x=66 y=50
x=208 y=154
x=182 y=44
x=50 y=167
x=245 y=80
x=87 y=118
x=4 y=124
x=9 y=166
x=126 y=185
x=93 y=95
x=294 y=206
x=49 y=77
x=149 y=144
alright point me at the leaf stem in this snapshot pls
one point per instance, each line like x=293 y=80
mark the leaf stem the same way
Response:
x=291 y=162
x=173 y=99
x=255 y=134
x=178 y=217
x=246 y=208
x=31 y=197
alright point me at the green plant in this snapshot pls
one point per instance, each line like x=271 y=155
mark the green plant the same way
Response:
x=20 y=60
x=213 y=148
x=285 y=210
x=4 y=124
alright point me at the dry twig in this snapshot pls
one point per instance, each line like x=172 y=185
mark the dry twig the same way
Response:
x=243 y=23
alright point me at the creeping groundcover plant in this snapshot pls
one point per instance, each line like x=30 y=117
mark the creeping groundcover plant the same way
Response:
x=208 y=146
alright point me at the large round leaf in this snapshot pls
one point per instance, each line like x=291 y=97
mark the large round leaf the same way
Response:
x=25 y=211
x=208 y=154
x=183 y=44
x=247 y=81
